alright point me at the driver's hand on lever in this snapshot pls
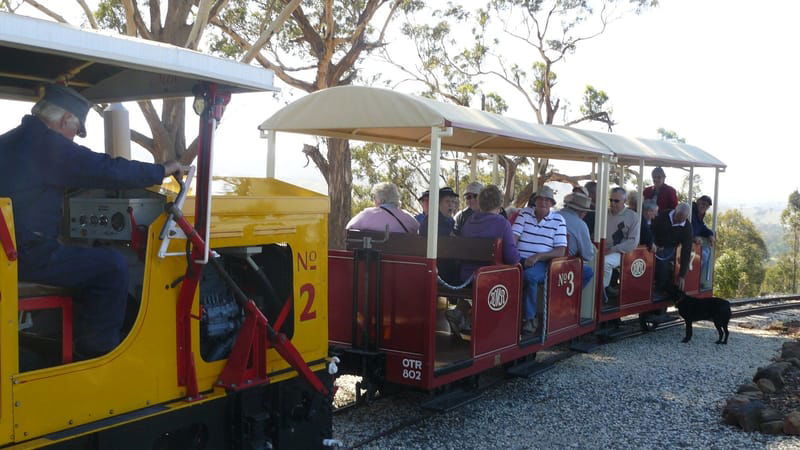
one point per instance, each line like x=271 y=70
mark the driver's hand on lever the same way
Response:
x=173 y=168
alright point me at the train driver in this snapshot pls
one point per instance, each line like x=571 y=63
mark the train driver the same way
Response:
x=540 y=235
x=38 y=162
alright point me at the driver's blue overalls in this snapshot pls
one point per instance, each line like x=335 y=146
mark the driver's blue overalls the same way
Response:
x=37 y=165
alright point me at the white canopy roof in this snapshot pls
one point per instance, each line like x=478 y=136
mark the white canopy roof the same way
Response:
x=653 y=151
x=109 y=68
x=386 y=116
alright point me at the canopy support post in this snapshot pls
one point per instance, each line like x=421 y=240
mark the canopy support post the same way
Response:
x=437 y=133
x=691 y=191
x=640 y=190
x=271 y=154
x=495 y=170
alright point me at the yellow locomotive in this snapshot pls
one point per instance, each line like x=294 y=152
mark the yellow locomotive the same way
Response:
x=226 y=340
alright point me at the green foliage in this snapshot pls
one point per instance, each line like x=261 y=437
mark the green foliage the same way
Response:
x=697 y=191
x=741 y=255
x=670 y=135
x=790 y=219
x=779 y=276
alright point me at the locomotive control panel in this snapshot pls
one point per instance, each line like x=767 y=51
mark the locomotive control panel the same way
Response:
x=109 y=218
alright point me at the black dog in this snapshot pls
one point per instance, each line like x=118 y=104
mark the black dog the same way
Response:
x=693 y=309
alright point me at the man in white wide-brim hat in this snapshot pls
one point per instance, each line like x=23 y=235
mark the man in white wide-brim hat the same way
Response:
x=576 y=206
x=541 y=235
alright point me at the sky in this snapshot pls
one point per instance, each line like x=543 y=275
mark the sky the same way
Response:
x=719 y=72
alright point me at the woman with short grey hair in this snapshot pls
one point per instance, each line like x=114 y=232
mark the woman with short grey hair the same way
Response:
x=386 y=194
x=386 y=214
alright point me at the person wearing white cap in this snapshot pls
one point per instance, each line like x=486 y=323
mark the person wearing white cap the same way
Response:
x=471 y=197
x=540 y=235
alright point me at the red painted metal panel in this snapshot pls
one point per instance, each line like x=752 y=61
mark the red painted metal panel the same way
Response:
x=495 y=308
x=563 y=294
x=406 y=296
x=636 y=277
x=6 y=240
x=692 y=282
x=408 y=369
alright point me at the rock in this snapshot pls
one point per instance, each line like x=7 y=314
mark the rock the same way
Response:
x=754 y=394
x=791 y=424
x=776 y=325
x=746 y=415
x=766 y=386
x=795 y=362
x=790 y=349
x=773 y=372
x=774 y=427
x=748 y=387
x=771 y=415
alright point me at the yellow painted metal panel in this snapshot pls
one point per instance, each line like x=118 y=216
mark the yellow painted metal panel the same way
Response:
x=142 y=370
x=9 y=355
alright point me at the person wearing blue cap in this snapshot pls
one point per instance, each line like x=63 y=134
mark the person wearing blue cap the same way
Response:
x=38 y=162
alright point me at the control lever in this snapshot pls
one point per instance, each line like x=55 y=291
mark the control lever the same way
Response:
x=138 y=235
x=170 y=229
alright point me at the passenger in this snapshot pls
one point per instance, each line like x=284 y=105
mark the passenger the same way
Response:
x=591 y=189
x=660 y=192
x=423 y=201
x=703 y=236
x=448 y=201
x=386 y=212
x=576 y=205
x=649 y=213
x=540 y=235
x=671 y=229
x=38 y=162
x=486 y=223
x=633 y=201
x=471 y=198
x=622 y=235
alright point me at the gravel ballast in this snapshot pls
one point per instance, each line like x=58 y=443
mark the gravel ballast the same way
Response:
x=647 y=392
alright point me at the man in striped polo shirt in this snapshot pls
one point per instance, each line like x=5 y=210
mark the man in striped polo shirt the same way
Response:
x=540 y=235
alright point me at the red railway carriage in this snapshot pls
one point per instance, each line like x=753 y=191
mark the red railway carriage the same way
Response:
x=387 y=300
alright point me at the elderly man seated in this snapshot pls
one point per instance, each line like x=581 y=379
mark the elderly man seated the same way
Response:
x=671 y=228
x=386 y=212
x=541 y=235
x=486 y=223
x=622 y=235
x=576 y=205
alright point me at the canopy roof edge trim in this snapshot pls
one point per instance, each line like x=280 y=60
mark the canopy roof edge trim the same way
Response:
x=34 y=52
x=386 y=116
x=653 y=151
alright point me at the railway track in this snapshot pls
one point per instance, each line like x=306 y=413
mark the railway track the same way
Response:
x=740 y=308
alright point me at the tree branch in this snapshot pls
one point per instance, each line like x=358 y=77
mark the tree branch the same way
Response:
x=48 y=12
x=270 y=30
x=88 y=13
x=312 y=152
x=200 y=22
x=279 y=71
x=146 y=142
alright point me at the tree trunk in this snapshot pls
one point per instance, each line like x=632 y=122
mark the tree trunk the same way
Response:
x=340 y=181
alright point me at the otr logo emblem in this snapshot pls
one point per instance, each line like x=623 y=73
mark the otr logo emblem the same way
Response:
x=638 y=268
x=498 y=297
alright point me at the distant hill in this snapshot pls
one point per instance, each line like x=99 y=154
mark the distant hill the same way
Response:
x=767 y=218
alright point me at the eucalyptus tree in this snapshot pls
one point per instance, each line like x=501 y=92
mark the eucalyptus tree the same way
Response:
x=322 y=45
